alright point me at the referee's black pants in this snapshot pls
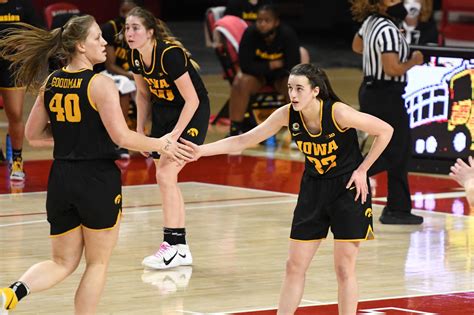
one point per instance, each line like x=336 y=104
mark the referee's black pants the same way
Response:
x=384 y=100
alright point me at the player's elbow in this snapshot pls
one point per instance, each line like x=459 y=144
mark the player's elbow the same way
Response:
x=120 y=138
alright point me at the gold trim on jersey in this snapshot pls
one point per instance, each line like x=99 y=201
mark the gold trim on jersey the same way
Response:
x=93 y=105
x=320 y=121
x=163 y=54
x=119 y=215
x=307 y=241
x=77 y=71
x=369 y=236
x=153 y=60
x=64 y=233
x=335 y=122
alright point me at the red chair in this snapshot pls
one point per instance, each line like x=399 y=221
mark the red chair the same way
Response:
x=212 y=15
x=228 y=32
x=456 y=31
x=54 y=11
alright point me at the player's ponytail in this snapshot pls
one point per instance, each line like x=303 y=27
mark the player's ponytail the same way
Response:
x=29 y=48
x=317 y=78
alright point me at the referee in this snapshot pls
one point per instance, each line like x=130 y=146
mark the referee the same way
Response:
x=386 y=60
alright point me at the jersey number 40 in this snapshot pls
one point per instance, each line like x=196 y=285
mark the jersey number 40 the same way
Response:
x=66 y=107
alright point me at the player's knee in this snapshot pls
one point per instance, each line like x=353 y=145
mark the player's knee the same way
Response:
x=344 y=272
x=293 y=267
x=69 y=264
x=165 y=179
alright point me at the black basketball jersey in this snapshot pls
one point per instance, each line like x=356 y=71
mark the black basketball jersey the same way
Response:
x=169 y=62
x=330 y=153
x=78 y=131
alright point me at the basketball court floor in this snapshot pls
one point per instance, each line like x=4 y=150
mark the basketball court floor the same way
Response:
x=239 y=210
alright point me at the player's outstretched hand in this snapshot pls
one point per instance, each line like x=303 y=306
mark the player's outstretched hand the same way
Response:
x=462 y=172
x=197 y=152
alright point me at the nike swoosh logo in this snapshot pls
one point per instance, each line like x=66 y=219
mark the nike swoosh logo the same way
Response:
x=182 y=256
x=295 y=134
x=167 y=262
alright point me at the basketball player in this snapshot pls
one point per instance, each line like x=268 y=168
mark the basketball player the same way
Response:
x=334 y=189
x=172 y=94
x=80 y=111
x=12 y=12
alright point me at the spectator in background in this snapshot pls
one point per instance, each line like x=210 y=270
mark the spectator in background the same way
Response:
x=12 y=12
x=247 y=11
x=419 y=25
x=116 y=64
x=386 y=60
x=463 y=173
x=267 y=51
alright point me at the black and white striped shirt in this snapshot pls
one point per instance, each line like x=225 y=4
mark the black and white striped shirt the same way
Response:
x=381 y=35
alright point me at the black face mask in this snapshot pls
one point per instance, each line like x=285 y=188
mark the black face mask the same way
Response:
x=398 y=11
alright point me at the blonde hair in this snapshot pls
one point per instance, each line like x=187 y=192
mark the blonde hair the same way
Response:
x=160 y=29
x=28 y=48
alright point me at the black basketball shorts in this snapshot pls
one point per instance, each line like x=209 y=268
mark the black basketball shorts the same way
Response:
x=326 y=203
x=83 y=193
x=166 y=117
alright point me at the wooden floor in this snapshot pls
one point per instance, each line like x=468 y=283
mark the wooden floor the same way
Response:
x=239 y=240
x=239 y=210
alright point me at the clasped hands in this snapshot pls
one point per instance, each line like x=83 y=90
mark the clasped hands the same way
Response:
x=176 y=151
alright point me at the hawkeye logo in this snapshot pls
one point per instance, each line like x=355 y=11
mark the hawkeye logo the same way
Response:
x=193 y=132
x=368 y=212
x=118 y=199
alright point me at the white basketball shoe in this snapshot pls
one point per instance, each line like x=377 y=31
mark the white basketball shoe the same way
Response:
x=166 y=257
x=185 y=257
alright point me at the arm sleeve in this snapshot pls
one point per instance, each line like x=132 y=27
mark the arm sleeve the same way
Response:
x=174 y=62
x=248 y=63
x=291 y=48
x=362 y=28
x=388 y=40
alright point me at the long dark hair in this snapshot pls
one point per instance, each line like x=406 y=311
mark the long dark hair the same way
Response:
x=317 y=78
x=28 y=48
x=160 y=29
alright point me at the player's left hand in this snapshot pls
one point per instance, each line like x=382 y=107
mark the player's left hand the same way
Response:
x=358 y=181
